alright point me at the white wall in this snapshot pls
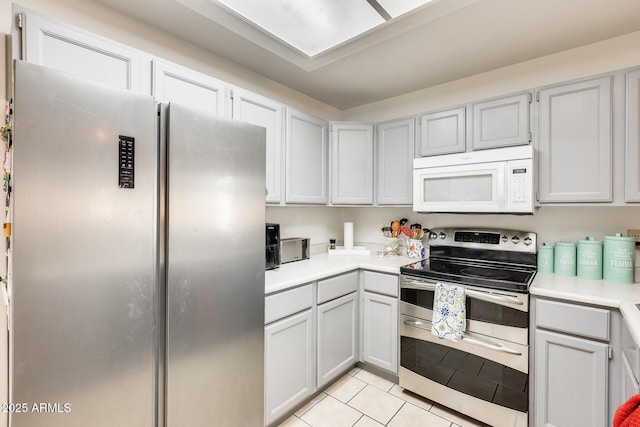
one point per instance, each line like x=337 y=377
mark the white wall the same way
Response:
x=613 y=54
x=552 y=224
x=567 y=223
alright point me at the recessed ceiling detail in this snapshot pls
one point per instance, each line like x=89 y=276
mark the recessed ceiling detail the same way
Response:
x=311 y=34
x=434 y=44
x=313 y=27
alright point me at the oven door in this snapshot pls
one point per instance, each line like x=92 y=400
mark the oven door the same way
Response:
x=499 y=314
x=476 y=187
x=483 y=377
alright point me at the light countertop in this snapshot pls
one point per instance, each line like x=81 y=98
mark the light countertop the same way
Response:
x=572 y=289
x=324 y=265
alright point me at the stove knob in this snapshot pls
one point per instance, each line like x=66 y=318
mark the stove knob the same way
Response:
x=433 y=236
x=443 y=236
x=505 y=239
x=515 y=240
x=527 y=241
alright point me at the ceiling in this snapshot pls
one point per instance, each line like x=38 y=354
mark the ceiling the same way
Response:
x=444 y=41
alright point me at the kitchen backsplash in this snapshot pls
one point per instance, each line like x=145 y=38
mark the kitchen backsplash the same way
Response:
x=551 y=223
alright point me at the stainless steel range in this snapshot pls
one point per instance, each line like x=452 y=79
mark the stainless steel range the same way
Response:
x=485 y=374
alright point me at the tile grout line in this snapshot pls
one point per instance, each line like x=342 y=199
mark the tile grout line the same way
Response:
x=362 y=414
x=404 y=402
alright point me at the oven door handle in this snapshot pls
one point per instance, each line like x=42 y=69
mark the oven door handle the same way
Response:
x=417 y=324
x=490 y=345
x=493 y=297
x=485 y=296
x=493 y=346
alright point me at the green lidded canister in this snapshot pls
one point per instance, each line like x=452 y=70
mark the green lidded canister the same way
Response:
x=545 y=258
x=589 y=257
x=619 y=259
x=564 y=259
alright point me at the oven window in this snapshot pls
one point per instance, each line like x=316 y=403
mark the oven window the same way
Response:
x=479 y=310
x=467 y=188
x=466 y=373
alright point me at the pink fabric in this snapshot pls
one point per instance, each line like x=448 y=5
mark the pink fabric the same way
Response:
x=628 y=414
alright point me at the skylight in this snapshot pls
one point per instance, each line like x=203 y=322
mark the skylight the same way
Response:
x=316 y=26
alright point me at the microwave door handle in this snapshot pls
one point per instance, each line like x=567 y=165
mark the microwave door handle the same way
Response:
x=493 y=346
x=487 y=296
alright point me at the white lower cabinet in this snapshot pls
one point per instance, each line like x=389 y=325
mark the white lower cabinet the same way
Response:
x=337 y=337
x=571 y=389
x=379 y=328
x=289 y=352
x=289 y=363
x=380 y=331
x=572 y=347
x=631 y=365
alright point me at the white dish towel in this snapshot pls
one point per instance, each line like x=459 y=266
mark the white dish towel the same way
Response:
x=449 y=313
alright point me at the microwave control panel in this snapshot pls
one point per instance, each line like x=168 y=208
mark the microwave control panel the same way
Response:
x=520 y=185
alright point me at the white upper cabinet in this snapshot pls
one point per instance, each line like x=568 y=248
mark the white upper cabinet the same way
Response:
x=442 y=132
x=575 y=142
x=351 y=163
x=501 y=122
x=258 y=110
x=632 y=179
x=65 y=48
x=306 y=161
x=395 y=149
x=175 y=83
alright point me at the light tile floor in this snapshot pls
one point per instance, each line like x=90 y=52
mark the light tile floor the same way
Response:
x=362 y=399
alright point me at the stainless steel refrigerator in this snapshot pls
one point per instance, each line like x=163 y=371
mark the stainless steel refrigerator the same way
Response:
x=137 y=274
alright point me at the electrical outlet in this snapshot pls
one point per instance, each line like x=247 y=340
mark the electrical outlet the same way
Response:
x=636 y=234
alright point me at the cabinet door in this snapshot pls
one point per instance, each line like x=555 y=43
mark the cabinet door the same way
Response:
x=306 y=146
x=630 y=386
x=66 y=48
x=395 y=148
x=380 y=331
x=574 y=142
x=501 y=122
x=632 y=179
x=570 y=381
x=337 y=337
x=288 y=364
x=175 y=83
x=442 y=132
x=255 y=109
x=351 y=163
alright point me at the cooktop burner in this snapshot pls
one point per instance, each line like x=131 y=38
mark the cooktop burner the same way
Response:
x=497 y=259
x=487 y=275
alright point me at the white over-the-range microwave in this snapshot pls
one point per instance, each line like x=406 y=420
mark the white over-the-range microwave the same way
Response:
x=496 y=180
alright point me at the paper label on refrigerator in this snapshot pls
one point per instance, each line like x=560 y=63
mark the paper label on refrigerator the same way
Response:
x=126 y=161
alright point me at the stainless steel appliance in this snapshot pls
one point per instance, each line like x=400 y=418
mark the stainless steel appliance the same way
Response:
x=272 y=246
x=294 y=249
x=485 y=374
x=137 y=288
x=498 y=180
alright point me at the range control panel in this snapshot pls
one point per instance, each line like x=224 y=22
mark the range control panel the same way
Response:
x=509 y=240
